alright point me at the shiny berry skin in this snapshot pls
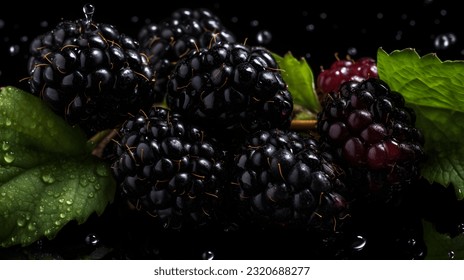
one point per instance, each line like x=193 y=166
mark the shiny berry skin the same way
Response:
x=343 y=70
x=371 y=133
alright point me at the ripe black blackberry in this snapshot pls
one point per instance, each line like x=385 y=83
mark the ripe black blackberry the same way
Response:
x=232 y=90
x=372 y=135
x=174 y=37
x=90 y=74
x=169 y=169
x=283 y=180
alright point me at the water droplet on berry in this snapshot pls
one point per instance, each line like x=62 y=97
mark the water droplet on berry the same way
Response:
x=359 y=243
x=264 y=37
x=207 y=255
x=444 y=41
x=88 y=9
x=92 y=239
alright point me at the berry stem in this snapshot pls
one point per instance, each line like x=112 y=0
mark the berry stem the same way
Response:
x=303 y=125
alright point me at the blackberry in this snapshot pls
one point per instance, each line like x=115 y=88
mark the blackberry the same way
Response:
x=174 y=37
x=90 y=73
x=371 y=133
x=344 y=70
x=232 y=90
x=169 y=169
x=283 y=180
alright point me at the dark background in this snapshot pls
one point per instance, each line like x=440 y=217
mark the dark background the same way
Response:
x=316 y=30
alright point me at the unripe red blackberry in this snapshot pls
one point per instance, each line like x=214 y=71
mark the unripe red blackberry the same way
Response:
x=344 y=70
x=372 y=134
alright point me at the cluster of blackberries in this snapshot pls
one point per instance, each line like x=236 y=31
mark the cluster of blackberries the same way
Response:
x=203 y=126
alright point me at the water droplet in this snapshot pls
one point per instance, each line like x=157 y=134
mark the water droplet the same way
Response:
x=31 y=226
x=48 y=178
x=61 y=200
x=359 y=243
x=3 y=194
x=88 y=9
x=5 y=145
x=310 y=27
x=97 y=187
x=20 y=222
x=9 y=157
x=264 y=37
x=62 y=215
x=412 y=242
x=58 y=223
x=7 y=122
x=451 y=255
x=13 y=50
x=254 y=23
x=352 y=51
x=461 y=228
x=444 y=41
x=41 y=208
x=91 y=194
x=101 y=170
x=92 y=239
x=207 y=255
x=69 y=201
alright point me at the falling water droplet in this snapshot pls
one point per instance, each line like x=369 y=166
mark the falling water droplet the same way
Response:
x=264 y=37
x=352 y=51
x=359 y=243
x=14 y=50
x=88 y=9
x=207 y=255
x=92 y=239
x=451 y=255
x=444 y=41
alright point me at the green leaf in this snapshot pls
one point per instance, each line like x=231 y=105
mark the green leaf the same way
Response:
x=300 y=80
x=442 y=246
x=435 y=90
x=47 y=175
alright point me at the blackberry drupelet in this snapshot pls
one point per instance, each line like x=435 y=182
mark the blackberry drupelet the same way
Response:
x=371 y=133
x=90 y=74
x=344 y=70
x=175 y=37
x=232 y=90
x=169 y=169
x=283 y=180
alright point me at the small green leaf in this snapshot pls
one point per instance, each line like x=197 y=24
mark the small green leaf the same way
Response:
x=47 y=175
x=442 y=246
x=300 y=80
x=435 y=90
